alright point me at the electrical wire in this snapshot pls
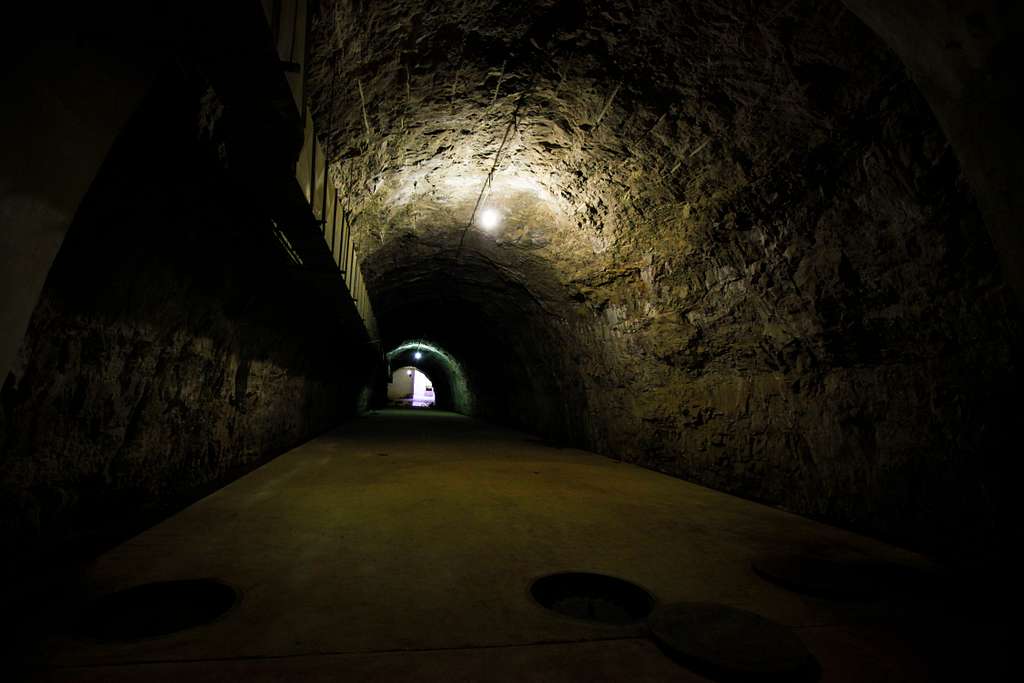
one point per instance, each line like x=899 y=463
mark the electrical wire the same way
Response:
x=512 y=124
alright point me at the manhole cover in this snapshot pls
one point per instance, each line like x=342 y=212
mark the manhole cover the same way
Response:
x=837 y=575
x=156 y=609
x=725 y=643
x=593 y=597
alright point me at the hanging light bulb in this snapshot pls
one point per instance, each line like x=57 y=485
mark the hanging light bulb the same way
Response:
x=489 y=219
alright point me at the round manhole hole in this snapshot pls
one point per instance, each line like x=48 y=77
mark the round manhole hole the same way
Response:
x=729 y=644
x=157 y=609
x=593 y=597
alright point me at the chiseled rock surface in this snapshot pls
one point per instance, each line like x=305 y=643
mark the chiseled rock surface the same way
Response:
x=735 y=247
x=168 y=353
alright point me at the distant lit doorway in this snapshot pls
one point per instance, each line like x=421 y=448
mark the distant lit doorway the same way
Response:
x=410 y=387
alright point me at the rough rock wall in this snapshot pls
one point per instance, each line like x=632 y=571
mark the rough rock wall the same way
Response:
x=836 y=341
x=170 y=352
x=736 y=246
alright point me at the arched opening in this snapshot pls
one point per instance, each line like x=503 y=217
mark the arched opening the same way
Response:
x=410 y=388
x=449 y=385
x=764 y=271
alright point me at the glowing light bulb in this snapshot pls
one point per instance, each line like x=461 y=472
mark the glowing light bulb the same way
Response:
x=417 y=355
x=489 y=219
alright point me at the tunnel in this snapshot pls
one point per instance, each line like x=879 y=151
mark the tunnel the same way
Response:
x=719 y=302
x=445 y=373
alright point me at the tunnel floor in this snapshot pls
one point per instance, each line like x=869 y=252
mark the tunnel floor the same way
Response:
x=403 y=546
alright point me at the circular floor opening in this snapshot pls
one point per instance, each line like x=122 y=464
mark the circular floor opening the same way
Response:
x=156 y=609
x=593 y=597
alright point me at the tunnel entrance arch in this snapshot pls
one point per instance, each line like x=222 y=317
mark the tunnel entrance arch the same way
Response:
x=448 y=382
x=410 y=387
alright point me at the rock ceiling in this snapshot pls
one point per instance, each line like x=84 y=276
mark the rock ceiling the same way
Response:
x=606 y=124
x=735 y=245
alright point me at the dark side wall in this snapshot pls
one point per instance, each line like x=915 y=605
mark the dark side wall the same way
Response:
x=171 y=350
x=836 y=340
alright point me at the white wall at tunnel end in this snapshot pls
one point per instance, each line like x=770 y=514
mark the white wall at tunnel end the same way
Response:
x=409 y=384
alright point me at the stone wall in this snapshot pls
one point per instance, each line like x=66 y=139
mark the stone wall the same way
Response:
x=171 y=350
x=736 y=245
x=836 y=340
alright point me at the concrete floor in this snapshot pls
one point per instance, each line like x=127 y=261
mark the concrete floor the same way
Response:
x=402 y=547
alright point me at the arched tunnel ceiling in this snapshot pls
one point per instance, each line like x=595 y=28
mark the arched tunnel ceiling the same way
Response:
x=736 y=246
x=664 y=165
x=628 y=120
x=451 y=388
